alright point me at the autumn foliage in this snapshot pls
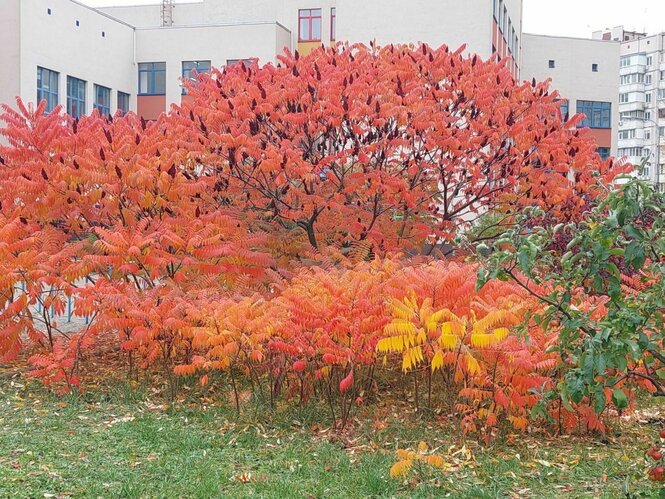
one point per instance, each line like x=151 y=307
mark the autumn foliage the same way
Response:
x=256 y=235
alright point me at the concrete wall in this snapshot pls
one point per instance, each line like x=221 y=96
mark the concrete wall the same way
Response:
x=452 y=22
x=572 y=75
x=449 y=22
x=10 y=51
x=55 y=42
x=214 y=43
x=150 y=16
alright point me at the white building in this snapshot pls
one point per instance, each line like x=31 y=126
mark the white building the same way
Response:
x=641 y=132
x=133 y=58
x=585 y=72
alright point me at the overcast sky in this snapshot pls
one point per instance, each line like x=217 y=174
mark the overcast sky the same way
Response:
x=563 y=17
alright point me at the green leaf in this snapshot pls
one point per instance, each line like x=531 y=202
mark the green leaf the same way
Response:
x=523 y=258
x=619 y=398
x=600 y=402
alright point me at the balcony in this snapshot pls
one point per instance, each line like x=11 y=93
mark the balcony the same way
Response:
x=634 y=142
x=625 y=107
x=631 y=87
x=635 y=68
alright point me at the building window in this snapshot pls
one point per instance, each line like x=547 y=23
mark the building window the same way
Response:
x=102 y=100
x=634 y=152
x=598 y=114
x=594 y=68
x=604 y=152
x=75 y=97
x=123 y=103
x=564 y=109
x=647 y=96
x=309 y=25
x=500 y=18
x=78 y=23
x=647 y=115
x=152 y=78
x=504 y=25
x=47 y=87
x=48 y=11
x=496 y=10
x=627 y=134
x=623 y=98
x=191 y=68
x=625 y=61
x=649 y=60
x=637 y=114
x=647 y=79
x=333 y=23
x=644 y=171
x=647 y=134
x=551 y=63
x=234 y=62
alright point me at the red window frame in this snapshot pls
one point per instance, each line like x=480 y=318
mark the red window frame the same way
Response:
x=308 y=14
x=333 y=23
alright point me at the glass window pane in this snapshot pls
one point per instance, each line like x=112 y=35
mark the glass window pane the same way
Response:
x=304 y=29
x=316 y=12
x=144 y=66
x=160 y=66
x=143 y=83
x=160 y=82
x=316 y=29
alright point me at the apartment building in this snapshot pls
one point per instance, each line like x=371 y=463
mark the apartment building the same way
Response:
x=641 y=131
x=134 y=58
x=586 y=74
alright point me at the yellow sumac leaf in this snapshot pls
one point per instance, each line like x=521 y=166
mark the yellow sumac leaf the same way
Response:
x=435 y=460
x=472 y=364
x=400 y=468
x=482 y=340
x=437 y=361
x=501 y=333
x=448 y=341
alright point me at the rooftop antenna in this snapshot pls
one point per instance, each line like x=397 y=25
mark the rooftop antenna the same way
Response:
x=167 y=12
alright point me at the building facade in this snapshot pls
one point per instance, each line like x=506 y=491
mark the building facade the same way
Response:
x=134 y=58
x=641 y=132
x=585 y=73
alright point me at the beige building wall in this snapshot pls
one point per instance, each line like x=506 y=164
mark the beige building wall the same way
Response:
x=573 y=75
x=215 y=43
x=10 y=51
x=73 y=40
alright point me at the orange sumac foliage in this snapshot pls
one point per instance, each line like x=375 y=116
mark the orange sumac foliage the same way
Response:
x=184 y=241
x=395 y=145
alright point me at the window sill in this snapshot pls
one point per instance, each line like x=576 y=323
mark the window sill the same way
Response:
x=150 y=95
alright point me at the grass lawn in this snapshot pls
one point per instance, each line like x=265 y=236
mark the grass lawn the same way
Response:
x=120 y=442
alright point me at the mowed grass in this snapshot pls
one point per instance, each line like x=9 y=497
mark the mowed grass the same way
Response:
x=121 y=441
